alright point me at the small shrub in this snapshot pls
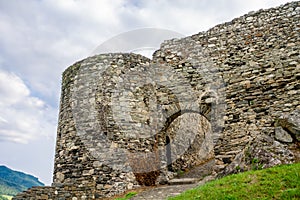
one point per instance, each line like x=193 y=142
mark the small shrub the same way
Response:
x=127 y=196
x=256 y=165
x=147 y=178
x=180 y=173
x=145 y=167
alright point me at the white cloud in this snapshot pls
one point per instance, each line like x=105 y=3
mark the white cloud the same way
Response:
x=12 y=89
x=22 y=117
x=41 y=38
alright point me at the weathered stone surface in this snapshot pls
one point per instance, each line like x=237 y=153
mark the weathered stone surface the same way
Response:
x=183 y=181
x=282 y=135
x=291 y=123
x=230 y=89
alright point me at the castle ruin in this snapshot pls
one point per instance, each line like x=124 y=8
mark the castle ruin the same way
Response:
x=226 y=96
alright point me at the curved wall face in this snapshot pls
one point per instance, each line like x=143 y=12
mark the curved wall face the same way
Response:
x=229 y=95
x=85 y=152
x=135 y=117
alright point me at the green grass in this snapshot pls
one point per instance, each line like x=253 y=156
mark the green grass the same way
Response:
x=281 y=182
x=127 y=196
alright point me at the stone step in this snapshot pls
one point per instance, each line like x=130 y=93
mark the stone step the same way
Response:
x=183 y=181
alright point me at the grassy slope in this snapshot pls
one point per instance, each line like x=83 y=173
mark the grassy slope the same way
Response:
x=281 y=182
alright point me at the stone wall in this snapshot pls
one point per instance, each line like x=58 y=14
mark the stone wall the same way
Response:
x=257 y=56
x=230 y=94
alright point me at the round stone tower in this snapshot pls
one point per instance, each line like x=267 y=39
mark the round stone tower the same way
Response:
x=125 y=121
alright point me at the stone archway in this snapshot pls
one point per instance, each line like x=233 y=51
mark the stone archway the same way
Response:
x=187 y=147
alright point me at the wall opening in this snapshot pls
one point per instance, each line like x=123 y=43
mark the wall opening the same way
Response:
x=169 y=153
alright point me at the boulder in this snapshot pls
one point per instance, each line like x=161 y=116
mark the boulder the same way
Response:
x=291 y=124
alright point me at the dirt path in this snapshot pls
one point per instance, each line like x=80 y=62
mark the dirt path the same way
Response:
x=163 y=192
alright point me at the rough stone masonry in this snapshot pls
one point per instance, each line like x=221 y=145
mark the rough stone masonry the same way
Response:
x=228 y=96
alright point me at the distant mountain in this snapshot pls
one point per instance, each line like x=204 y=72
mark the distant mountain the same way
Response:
x=13 y=182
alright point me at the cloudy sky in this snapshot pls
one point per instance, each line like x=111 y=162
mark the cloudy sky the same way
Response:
x=41 y=38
